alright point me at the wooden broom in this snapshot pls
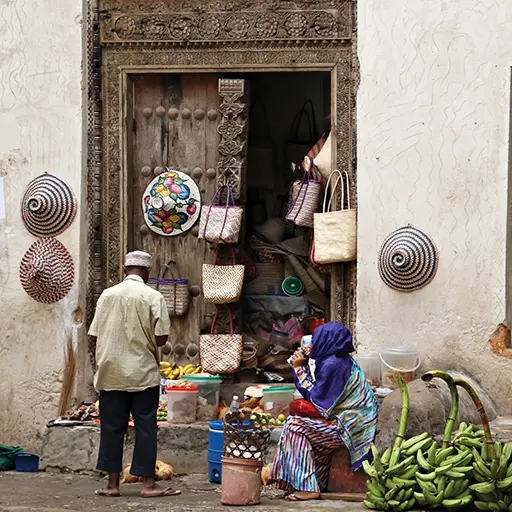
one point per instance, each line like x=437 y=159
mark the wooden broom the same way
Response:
x=68 y=380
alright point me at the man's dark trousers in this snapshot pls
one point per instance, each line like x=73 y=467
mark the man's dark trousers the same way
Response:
x=115 y=408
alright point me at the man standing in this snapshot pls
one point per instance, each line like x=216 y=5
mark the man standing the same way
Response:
x=130 y=323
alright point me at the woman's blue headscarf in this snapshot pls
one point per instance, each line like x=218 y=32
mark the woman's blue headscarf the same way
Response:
x=331 y=348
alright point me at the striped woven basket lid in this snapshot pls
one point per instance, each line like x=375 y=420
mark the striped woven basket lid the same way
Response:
x=47 y=271
x=408 y=259
x=48 y=206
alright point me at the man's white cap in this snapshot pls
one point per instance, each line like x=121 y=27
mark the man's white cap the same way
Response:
x=138 y=259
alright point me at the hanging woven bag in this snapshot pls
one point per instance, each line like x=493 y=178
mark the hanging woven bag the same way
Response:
x=220 y=224
x=221 y=353
x=305 y=198
x=222 y=284
x=174 y=290
x=335 y=232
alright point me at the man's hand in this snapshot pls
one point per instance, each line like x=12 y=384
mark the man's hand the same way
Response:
x=161 y=340
x=298 y=359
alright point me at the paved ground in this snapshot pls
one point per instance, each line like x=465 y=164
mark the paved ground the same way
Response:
x=46 y=492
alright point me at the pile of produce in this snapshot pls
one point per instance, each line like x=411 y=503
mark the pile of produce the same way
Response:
x=161 y=413
x=85 y=412
x=469 y=468
x=253 y=409
x=171 y=371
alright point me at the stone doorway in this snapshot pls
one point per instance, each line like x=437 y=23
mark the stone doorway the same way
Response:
x=140 y=38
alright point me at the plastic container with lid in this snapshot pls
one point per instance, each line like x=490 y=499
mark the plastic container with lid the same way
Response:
x=277 y=400
x=181 y=404
x=371 y=365
x=215 y=451
x=207 y=396
x=398 y=359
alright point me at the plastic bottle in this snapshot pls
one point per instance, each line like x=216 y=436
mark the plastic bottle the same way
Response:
x=235 y=405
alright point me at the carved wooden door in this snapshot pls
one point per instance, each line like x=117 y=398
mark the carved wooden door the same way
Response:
x=183 y=122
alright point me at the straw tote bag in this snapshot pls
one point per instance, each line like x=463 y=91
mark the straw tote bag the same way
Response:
x=219 y=223
x=305 y=200
x=175 y=290
x=221 y=353
x=222 y=284
x=335 y=232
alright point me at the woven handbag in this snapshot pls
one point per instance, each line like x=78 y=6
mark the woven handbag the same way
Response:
x=221 y=353
x=175 y=290
x=219 y=223
x=269 y=276
x=222 y=284
x=305 y=202
x=335 y=232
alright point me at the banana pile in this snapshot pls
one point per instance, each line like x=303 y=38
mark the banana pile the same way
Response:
x=493 y=476
x=444 y=477
x=171 y=371
x=391 y=483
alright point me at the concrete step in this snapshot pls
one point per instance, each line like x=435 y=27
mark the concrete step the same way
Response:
x=185 y=447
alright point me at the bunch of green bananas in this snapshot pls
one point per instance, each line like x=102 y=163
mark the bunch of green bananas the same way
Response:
x=391 y=483
x=493 y=475
x=444 y=477
x=469 y=436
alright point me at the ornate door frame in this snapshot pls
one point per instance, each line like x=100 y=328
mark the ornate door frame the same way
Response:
x=190 y=36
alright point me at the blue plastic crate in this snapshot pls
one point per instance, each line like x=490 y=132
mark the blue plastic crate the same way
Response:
x=27 y=462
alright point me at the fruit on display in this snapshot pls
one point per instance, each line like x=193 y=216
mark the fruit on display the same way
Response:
x=492 y=465
x=267 y=419
x=171 y=371
x=444 y=473
x=391 y=483
x=161 y=413
x=468 y=468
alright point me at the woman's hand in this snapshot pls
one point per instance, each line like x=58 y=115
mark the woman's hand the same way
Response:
x=299 y=359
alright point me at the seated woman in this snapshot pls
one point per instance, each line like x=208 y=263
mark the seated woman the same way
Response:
x=348 y=410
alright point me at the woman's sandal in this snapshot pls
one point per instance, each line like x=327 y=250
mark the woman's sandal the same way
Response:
x=307 y=496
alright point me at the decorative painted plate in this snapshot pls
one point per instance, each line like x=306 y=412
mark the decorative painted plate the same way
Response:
x=171 y=203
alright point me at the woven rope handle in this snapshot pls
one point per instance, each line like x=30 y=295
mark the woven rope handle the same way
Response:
x=214 y=321
x=345 y=173
x=339 y=179
x=230 y=201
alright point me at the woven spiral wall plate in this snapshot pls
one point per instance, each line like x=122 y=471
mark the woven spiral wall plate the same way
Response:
x=47 y=271
x=48 y=206
x=408 y=259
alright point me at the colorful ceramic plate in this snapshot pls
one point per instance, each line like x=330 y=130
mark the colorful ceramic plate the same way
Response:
x=171 y=203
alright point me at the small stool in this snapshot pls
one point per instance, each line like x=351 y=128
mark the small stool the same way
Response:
x=342 y=479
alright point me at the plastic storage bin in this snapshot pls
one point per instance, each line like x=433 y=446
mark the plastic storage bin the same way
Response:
x=398 y=360
x=215 y=451
x=371 y=365
x=207 y=395
x=181 y=405
x=27 y=462
x=277 y=400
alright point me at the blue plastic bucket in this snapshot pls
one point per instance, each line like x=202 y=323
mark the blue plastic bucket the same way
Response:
x=215 y=451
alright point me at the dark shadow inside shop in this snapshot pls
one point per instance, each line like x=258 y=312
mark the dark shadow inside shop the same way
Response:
x=285 y=295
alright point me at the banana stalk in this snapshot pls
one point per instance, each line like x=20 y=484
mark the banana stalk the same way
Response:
x=454 y=408
x=483 y=415
x=404 y=393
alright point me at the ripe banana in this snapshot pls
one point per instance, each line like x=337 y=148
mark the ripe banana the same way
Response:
x=165 y=364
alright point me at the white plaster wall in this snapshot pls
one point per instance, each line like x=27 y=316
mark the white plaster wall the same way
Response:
x=40 y=130
x=432 y=124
